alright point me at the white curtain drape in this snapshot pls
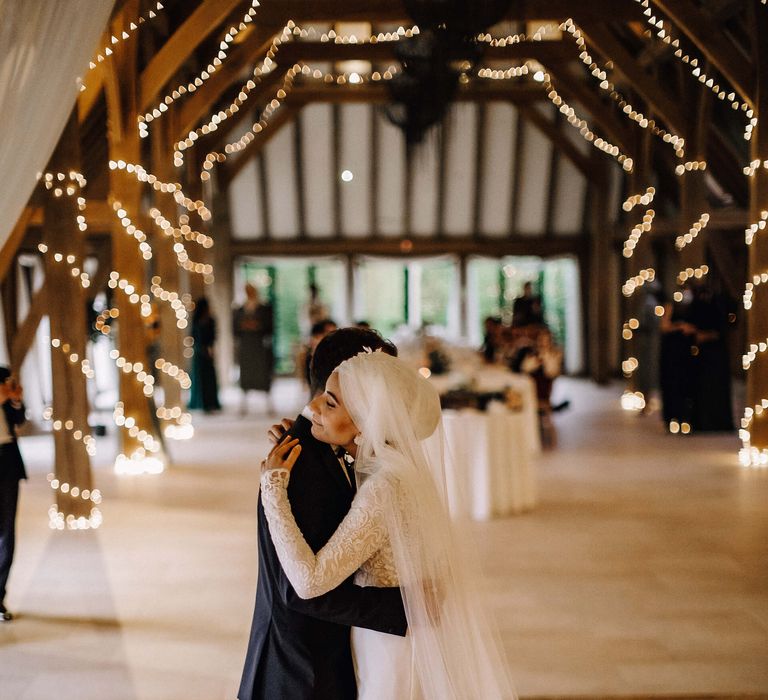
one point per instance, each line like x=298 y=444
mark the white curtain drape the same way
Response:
x=45 y=46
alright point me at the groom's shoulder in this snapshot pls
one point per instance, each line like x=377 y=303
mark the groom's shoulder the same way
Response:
x=302 y=429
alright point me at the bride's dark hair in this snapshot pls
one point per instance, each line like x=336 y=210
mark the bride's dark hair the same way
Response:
x=341 y=345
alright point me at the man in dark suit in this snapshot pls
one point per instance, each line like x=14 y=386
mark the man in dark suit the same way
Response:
x=300 y=649
x=11 y=472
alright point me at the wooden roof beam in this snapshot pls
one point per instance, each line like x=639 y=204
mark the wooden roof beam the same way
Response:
x=394 y=10
x=559 y=140
x=205 y=20
x=573 y=88
x=285 y=114
x=231 y=73
x=471 y=244
x=704 y=31
x=199 y=106
x=655 y=95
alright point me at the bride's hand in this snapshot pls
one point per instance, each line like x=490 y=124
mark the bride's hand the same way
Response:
x=282 y=456
x=278 y=430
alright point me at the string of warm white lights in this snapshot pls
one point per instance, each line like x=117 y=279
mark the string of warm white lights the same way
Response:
x=686 y=167
x=511 y=72
x=144 y=248
x=754 y=350
x=73 y=357
x=69 y=426
x=665 y=35
x=279 y=99
x=137 y=368
x=70 y=184
x=635 y=400
x=633 y=283
x=174 y=188
x=626 y=107
x=181 y=428
x=693 y=232
x=511 y=39
x=85 y=280
x=637 y=231
x=175 y=372
x=183 y=420
x=577 y=122
x=757 y=280
x=126 y=34
x=103 y=319
x=754 y=166
x=145 y=437
x=184 y=231
x=174 y=300
x=117 y=282
x=289 y=32
x=223 y=51
x=56 y=519
x=634 y=200
x=692 y=273
x=752 y=230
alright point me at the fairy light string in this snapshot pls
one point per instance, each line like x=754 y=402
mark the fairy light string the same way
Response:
x=222 y=54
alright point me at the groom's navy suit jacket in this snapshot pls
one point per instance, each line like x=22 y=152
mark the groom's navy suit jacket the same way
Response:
x=300 y=649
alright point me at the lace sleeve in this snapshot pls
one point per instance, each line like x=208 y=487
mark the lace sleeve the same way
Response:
x=360 y=535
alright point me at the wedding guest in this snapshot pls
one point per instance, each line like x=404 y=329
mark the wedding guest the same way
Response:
x=313 y=311
x=543 y=362
x=675 y=368
x=204 y=392
x=11 y=472
x=319 y=330
x=711 y=370
x=526 y=309
x=252 y=329
x=648 y=337
x=491 y=338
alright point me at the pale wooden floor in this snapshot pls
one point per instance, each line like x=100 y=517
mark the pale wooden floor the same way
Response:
x=644 y=571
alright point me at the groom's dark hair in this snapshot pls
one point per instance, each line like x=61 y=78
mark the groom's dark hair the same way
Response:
x=340 y=345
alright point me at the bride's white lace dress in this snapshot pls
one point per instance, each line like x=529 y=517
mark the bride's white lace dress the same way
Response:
x=384 y=663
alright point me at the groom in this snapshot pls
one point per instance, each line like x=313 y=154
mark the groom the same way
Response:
x=300 y=649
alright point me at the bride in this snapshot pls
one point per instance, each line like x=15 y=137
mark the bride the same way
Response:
x=397 y=533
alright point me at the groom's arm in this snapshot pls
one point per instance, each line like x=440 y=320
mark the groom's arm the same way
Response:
x=379 y=609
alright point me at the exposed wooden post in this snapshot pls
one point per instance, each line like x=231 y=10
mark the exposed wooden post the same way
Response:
x=757 y=317
x=223 y=291
x=642 y=258
x=121 y=91
x=600 y=252
x=165 y=262
x=350 y=272
x=65 y=301
x=463 y=298
x=193 y=186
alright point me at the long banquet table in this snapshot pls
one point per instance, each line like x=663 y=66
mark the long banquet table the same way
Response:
x=490 y=463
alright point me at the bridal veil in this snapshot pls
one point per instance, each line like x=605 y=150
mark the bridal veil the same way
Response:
x=398 y=414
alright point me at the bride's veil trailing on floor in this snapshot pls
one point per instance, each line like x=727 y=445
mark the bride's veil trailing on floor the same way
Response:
x=398 y=413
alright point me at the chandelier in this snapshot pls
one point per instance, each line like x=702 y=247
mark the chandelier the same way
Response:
x=437 y=59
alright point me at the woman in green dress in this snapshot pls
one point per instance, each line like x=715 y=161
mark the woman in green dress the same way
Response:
x=204 y=393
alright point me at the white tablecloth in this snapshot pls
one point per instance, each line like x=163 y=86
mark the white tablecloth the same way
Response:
x=490 y=470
